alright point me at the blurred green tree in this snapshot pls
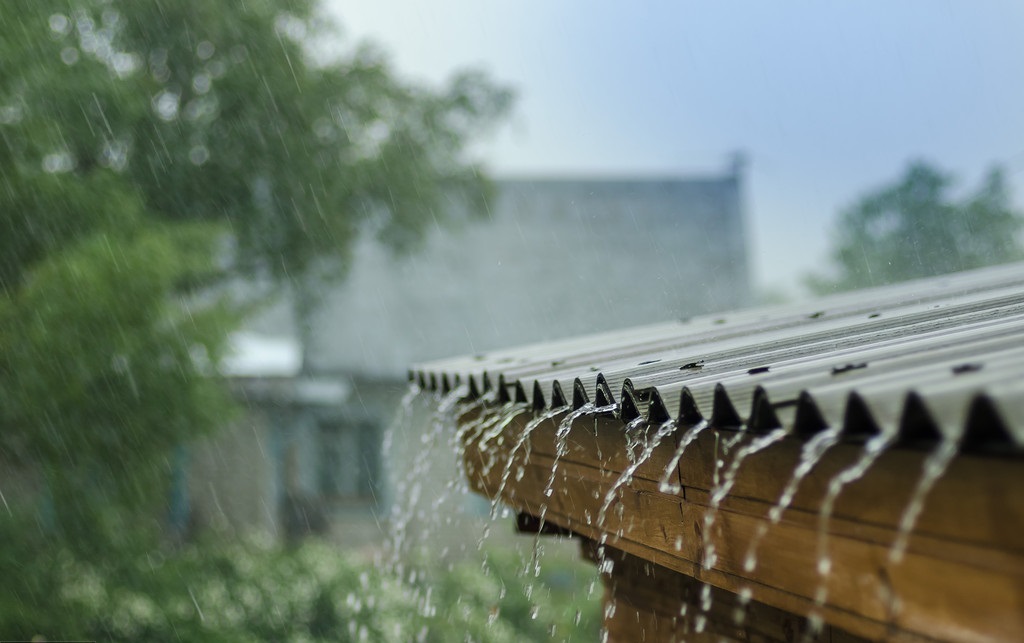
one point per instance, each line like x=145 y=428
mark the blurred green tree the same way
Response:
x=239 y=116
x=149 y=152
x=915 y=228
x=148 y=149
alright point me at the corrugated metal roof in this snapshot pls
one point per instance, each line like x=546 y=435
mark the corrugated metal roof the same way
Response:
x=929 y=358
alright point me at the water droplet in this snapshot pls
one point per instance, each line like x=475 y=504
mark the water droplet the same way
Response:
x=60 y=24
x=199 y=155
x=69 y=55
x=205 y=50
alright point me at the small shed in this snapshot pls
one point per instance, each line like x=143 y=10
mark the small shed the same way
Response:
x=843 y=469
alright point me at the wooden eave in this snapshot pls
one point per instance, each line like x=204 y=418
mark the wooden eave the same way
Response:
x=932 y=364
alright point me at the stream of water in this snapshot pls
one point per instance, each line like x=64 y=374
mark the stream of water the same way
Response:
x=811 y=452
x=873 y=449
x=505 y=416
x=450 y=407
x=634 y=434
x=406 y=506
x=935 y=466
x=561 y=449
x=724 y=486
x=521 y=441
x=626 y=476
x=666 y=485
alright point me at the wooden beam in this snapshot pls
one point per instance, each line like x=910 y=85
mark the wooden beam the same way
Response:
x=962 y=577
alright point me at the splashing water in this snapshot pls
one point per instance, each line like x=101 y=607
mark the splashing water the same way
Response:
x=404 y=409
x=812 y=451
x=409 y=488
x=505 y=416
x=626 y=476
x=521 y=441
x=633 y=434
x=561 y=449
x=873 y=449
x=935 y=466
x=725 y=485
x=666 y=485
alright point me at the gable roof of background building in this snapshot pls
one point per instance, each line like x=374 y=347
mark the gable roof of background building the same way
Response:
x=554 y=257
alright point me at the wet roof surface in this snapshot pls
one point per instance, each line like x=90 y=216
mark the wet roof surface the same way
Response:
x=923 y=360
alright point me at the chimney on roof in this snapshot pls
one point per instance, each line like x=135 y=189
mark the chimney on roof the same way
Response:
x=738 y=162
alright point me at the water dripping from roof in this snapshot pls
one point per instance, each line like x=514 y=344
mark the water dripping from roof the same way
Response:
x=873 y=449
x=653 y=442
x=561 y=449
x=934 y=467
x=724 y=487
x=665 y=485
x=407 y=507
x=811 y=452
x=495 y=429
x=520 y=443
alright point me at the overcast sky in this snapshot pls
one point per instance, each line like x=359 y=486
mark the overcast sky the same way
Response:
x=827 y=99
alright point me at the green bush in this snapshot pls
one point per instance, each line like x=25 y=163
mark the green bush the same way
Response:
x=257 y=592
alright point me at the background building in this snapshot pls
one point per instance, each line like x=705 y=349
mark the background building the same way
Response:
x=552 y=258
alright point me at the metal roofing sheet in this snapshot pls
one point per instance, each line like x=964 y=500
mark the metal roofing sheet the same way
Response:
x=928 y=358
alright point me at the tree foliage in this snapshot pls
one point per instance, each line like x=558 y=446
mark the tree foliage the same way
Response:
x=228 y=115
x=148 y=150
x=916 y=228
x=104 y=362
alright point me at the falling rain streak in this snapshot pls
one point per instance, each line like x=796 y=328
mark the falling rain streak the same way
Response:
x=671 y=471
x=626 y=477
x=561 y=449
x=520 y=443
x=873 y=449
x=811 y=452
x=409 y=488
x=935 y=466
